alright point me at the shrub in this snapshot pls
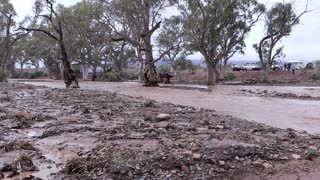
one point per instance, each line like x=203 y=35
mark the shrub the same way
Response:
x=164 y=69
x=117 y=76
x=231 y=76
x=314 y=76
x=3 y=76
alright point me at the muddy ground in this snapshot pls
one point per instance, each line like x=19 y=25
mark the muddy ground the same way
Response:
x=295 y=107
x=50 y=133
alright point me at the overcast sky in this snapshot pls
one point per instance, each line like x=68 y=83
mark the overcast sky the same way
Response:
x=302 y=44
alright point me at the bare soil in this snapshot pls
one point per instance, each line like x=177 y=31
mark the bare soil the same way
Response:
x=301 y=78
x=50 y=133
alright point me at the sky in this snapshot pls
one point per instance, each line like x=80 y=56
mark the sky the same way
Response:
x=303 y=43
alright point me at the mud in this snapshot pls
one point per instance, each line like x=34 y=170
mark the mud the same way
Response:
x=87 y=134
x=301 y=114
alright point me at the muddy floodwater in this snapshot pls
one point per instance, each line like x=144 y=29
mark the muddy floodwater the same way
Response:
x=91 y=133
x=284 y=107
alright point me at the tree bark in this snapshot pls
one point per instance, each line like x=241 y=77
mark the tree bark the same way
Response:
x=141 y=74
x=7 y=52
x=94 y=72
x=68 y=74
x=150 y=73
x=223 y=69
x=266 y=71
x=213 y=74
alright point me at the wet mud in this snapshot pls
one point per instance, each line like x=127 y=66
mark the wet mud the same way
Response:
x=48 y=133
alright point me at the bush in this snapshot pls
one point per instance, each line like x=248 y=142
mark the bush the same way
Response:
x=3 y=77
x=116 y=76
x=231 y=76
x=164 y=69
x=314 y=76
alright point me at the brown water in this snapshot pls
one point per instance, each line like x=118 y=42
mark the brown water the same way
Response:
x=299 y=114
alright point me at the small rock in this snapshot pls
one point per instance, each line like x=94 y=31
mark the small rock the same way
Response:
x=296 y=156
x=196 y=156
x=188 y=153
x=267 y=165
x=195 y=148
x=163 y=117
x=219 y=127
x=284 y=158
x=222 y=163
x=202 y=129
x=248 y=162
x=185 y=169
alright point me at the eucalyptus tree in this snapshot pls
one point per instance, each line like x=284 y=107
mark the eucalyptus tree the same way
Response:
x=136 y=22
x=234 y=34
x=49 y=22
x=170 y=40
x=87 y=38
x=279 y=23
x=7 y=38
x=205 y=23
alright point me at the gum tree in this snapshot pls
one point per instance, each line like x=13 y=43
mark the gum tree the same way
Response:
x=279 y=23
x=47 y=21
x=205 y=23
x=136 y=22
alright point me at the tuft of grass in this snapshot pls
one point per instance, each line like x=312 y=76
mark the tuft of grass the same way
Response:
x=17 y=145
x=3 y=77
x=315 y=76
x=22 y=164
x=231 y=76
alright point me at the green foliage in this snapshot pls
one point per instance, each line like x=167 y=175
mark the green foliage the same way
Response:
x=30 y=75
x=119 y=76
x=315 y=76
x=317 y=63
x=183 y=64
x=164 y=68
x=3 y=76
x=231 y=76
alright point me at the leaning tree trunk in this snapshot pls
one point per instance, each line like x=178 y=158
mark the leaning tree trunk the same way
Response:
x=68 y=74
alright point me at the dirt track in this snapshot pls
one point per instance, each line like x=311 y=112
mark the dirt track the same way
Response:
x=85 y=134
x=297 y=113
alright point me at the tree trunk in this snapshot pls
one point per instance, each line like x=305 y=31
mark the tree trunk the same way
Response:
x=21 y=68
x=7 y=52
x=223 y=70
x=213 y=74
x=178 y=76
x=94 y=72
x=68 y=74
x=150 y=74
x=140 y=59
x=84 y=68
x=266 y=71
